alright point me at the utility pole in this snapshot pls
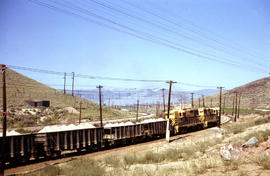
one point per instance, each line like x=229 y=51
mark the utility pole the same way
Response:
x=192 y=105
x=199 y=102
x=233 y=107
x=235 y=113
x=80 y=112
x=109 y=103
x=137 y=116
x=163 y=94
x=224 y=105
x=72 y=84
x=203 y=100
x=65 y=76
x=100 y=106
x=3 y=153
x=239 y=106
x=168 y=112
x=157 y=108
x=220 y=95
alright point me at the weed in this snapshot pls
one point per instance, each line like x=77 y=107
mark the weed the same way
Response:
x=263 y=160
x=130 y=159
x=261 y=121
x=232 y=164
x=171 y=154
x=151 y=157
x=242 y=173
x=202 y=146
x=260 y=135
x=84 y=167
x=112 y=161
x=187 y=152
x=47 y=171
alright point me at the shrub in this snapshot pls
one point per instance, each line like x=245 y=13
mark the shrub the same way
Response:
x=261 y=121
x=202 y=146
x=151 y=157
x=112 y=160
x=260 y=135
x=187 y=151
x=232 y=164
x=47 y=171
x=84 y=167
x=171 y=154
x=263 y=160
x=130 y=159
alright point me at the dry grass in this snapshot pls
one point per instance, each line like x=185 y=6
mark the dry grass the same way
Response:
x=47 y=171
x=263 y=161
x=112 y=161
x=82 y=167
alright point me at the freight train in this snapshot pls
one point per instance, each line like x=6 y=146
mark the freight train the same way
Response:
x=57 y=140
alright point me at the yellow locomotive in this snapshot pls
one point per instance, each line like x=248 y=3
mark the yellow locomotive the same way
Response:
x=181 y=120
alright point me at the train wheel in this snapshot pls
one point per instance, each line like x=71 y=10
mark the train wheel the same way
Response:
x=56 y=154
x=25 y=158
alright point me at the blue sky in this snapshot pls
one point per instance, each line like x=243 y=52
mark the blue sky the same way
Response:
x=239 y=31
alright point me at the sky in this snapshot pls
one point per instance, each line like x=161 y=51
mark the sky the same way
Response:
x=204 y=42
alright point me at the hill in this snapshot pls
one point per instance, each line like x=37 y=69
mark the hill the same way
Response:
x=21 y=89
x=255 y=94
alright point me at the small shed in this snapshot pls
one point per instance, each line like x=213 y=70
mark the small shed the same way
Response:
x=44 y=103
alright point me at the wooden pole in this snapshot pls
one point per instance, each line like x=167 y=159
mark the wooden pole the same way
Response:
x=72 y=93
x=137 y=116
x=192 y=105
x=65 y=75
x=163 y=94
x=3 y=145
x=238 y=114
x=235 y=113
x=220 y=97
x=100 y=106
x=233 y=107
x=80 y=112
x=168 y=112
x=203 y=100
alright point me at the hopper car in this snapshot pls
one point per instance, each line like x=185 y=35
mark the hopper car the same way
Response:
x=57 y=141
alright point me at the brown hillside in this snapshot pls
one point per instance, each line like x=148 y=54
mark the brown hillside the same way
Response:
x=21 y=88
x=255 y=94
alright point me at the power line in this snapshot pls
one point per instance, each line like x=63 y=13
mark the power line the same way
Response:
x=133 y=32
x=101 y=77
x=200 y=32
x=160 y=25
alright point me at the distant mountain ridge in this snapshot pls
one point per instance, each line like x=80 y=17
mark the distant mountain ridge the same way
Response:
x=146 y=96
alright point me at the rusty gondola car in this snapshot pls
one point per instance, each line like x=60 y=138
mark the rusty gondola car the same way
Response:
x=18 y=148
x=54 y=142
x=126 y=133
